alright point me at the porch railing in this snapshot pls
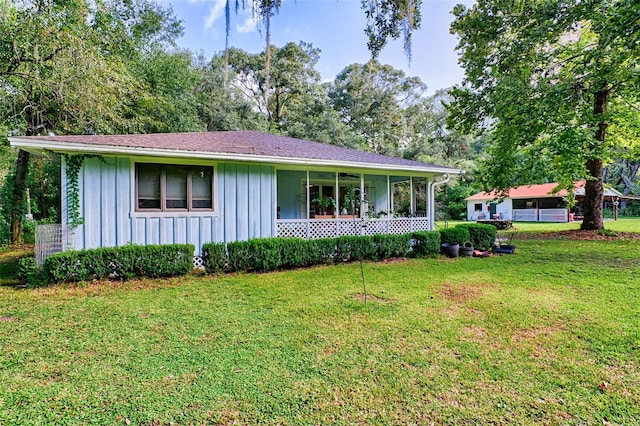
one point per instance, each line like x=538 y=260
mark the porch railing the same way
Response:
x=554 y=215
x=541 y=215
x=525 y=215
x=324 y=228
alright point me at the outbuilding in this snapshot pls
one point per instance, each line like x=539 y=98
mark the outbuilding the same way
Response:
x=532 y=203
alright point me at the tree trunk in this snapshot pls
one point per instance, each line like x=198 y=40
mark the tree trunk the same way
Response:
x=22 y=164
x=593 y=197
x=594 y=189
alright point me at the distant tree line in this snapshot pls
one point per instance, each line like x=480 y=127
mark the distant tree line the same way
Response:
x=79 y=67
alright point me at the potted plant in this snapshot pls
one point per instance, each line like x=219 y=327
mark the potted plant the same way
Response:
x=350 y=201
x=324 y=206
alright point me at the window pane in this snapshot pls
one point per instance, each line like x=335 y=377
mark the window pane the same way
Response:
x=201 y=182
x=176 y=187
x=148 y=186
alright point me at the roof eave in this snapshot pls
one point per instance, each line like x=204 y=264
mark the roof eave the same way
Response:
x=40 y=146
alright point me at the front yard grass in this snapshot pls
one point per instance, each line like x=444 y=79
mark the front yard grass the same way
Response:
x=549 y=335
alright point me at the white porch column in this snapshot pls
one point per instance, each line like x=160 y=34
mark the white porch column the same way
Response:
x=389 y=215
x=336 y=196
x=362 y=194
x=308 y=186
x=412 y=196
x=428 y=208
x=432 y=207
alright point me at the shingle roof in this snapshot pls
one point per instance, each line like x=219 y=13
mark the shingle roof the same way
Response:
x=242 y=143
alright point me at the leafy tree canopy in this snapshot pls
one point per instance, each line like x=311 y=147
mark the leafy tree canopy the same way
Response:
x=556 y=82
x=377 y=102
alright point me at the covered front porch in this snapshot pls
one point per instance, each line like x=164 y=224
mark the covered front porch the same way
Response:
x=320 y=204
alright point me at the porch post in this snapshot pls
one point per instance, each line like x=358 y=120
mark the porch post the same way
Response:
x=412 y=209
x=432 y=198
x=430 y=211
x=336 y=194
x=426 y=198
x=389 y=215
x=412 y=196
x=362 y=198
x=308 y=204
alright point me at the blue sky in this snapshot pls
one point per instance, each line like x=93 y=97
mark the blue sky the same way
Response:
x=336 y=27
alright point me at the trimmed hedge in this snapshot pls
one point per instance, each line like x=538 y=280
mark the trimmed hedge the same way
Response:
x=350 y=248
x=122 y=263
x=322 y=251
x=214 y=257
x=240 y=256
x=267 y=254
x=426 y=243
x=270 y=254
x=454 y=235
x=392 y=245
x=482 y=236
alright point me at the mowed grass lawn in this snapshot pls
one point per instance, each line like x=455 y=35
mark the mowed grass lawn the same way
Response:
x=549 y=335
x=624 y=224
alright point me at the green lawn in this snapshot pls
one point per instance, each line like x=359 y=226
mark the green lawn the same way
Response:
x=550 y=335
x=620 y=225
x=626 y=224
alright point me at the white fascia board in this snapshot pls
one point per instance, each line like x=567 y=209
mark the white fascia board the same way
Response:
x=69 y=147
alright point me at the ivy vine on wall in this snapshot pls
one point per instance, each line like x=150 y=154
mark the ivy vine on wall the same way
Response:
x=74 y=164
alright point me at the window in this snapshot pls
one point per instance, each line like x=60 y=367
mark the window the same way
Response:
x=477 y=207
x=163 y=187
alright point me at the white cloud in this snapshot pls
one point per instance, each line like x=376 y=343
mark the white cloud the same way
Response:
x=216 y=11
x=249 y=25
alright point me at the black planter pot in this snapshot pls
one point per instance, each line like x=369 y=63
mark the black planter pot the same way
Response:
x=466 y=251
x=450 y=249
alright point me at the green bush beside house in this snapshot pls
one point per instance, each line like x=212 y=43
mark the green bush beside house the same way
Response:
x=259 y=255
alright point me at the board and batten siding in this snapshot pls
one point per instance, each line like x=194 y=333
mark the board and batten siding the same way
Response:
x=243 y=207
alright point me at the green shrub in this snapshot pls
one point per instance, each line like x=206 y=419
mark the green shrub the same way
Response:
x=214 y=257
x=458 y=234
x=392 y=245
x=426 y=243
x=125 y=262
x=631 y=209
x=267 y=254
x=482 y=236
x=295 y=253
x=29 y=231
x=240 y=256
x=322 y=251
x=166 y=260
x=28 y=273
x=66 y=266
x=350 y=248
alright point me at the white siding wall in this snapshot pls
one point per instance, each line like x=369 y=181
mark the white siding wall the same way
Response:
x=504 y=208
x=243 y=200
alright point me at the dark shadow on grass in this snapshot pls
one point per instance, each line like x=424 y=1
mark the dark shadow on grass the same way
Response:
x=9 y=259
